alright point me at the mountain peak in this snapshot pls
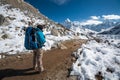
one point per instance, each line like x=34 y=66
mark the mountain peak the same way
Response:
x=68 y=20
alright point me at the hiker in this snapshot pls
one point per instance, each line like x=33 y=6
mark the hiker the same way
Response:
x=34 y=40
x=38 y=54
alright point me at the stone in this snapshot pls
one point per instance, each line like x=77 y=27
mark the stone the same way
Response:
x=54 y=32
x=2 y=18
x=61 y=46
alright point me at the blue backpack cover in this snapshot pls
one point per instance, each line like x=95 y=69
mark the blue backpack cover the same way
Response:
x=40 y=38
x=34 y=38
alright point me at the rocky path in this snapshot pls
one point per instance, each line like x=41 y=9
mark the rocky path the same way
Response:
x=56 y=62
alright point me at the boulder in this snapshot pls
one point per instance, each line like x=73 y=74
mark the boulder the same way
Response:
x=61 y=46
x=54 y=32
x=2 y=18
x=7 y=36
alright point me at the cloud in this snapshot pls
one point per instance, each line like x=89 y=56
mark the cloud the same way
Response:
x=60 y=2
x=94 y=20
x=111 y=16
x=95 y=17
x=91 y=22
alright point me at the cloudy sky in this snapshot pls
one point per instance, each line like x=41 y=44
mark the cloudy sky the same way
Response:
x=59 y=10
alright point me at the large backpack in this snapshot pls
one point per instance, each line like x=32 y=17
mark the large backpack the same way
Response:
x=34 y=38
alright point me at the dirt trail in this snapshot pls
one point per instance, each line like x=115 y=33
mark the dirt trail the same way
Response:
x=56 y=62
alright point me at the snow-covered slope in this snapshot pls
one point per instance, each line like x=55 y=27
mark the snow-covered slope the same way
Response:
x=99 y=61
x=13 y=21
x=112 y=31
x=12 y=35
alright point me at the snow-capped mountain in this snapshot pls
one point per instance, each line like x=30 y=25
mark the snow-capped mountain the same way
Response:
x=113 y=30
x=95 y=23
x=104 y=25
x=77 y=27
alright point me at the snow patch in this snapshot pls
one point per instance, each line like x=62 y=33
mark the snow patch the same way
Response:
x=97 y=58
